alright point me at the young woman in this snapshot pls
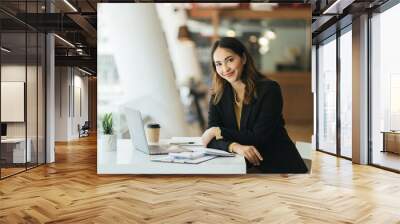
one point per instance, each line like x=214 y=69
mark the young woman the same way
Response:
x=245 y=113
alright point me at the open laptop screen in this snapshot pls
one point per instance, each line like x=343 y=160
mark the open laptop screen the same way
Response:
x=136 y=129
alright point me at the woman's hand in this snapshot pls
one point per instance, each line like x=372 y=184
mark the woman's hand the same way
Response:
x=208 y=135
x=249 y=152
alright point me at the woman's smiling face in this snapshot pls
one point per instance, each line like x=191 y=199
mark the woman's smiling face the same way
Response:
x=228 y=64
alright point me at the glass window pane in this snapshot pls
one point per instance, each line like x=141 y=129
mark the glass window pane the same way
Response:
x=346 y=94
x=13 y=87
x=22 y=89
x=41 y=98
x=31 y=97
x=327 y=96
x=385 y=89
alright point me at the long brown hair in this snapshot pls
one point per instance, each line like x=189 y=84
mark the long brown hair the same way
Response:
x=249 y=74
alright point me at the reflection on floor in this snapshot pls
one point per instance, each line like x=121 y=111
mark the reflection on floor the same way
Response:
x=386 y=159
x=11 y=169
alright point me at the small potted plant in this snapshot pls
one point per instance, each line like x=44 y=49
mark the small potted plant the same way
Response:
x=109 y=139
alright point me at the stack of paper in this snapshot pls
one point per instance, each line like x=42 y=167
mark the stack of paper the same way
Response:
x=199 y=154
x=184 y=157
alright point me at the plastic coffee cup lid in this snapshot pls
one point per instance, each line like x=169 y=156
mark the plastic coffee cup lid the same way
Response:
x=153 y=125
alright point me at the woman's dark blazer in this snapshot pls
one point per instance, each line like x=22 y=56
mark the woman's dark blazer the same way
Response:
x=261 y=125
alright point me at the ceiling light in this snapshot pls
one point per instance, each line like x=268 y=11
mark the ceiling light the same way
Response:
x=263 y=41
x=264 y=49
x=70 y=5
x=84 y=71
x=230 y=33
x=270 y=35
x=65 y=41
x=5 y=50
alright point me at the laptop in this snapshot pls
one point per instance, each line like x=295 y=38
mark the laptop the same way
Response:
x=138 y=136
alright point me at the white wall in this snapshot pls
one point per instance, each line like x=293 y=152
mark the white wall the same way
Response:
x=12 y=73
x=80 y=109
x=145 y=73
x=61 y=103
x=70 y=83
x=183 y=53
x=33 y=125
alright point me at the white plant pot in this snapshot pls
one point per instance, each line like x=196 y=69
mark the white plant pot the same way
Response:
x=109 y=142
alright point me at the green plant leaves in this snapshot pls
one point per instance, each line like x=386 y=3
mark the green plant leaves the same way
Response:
x=107 y=124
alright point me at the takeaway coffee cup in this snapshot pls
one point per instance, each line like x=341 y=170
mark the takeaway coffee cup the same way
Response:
x=153 y=132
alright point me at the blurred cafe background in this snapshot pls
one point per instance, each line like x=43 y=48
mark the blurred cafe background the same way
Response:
x=156 y=58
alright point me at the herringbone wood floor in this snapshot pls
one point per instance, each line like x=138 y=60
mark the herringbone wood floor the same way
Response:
x=70 y=191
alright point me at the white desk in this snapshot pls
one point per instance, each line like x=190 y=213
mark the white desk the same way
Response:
x=19 y=149
x=127 y=160
x=306 y=152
